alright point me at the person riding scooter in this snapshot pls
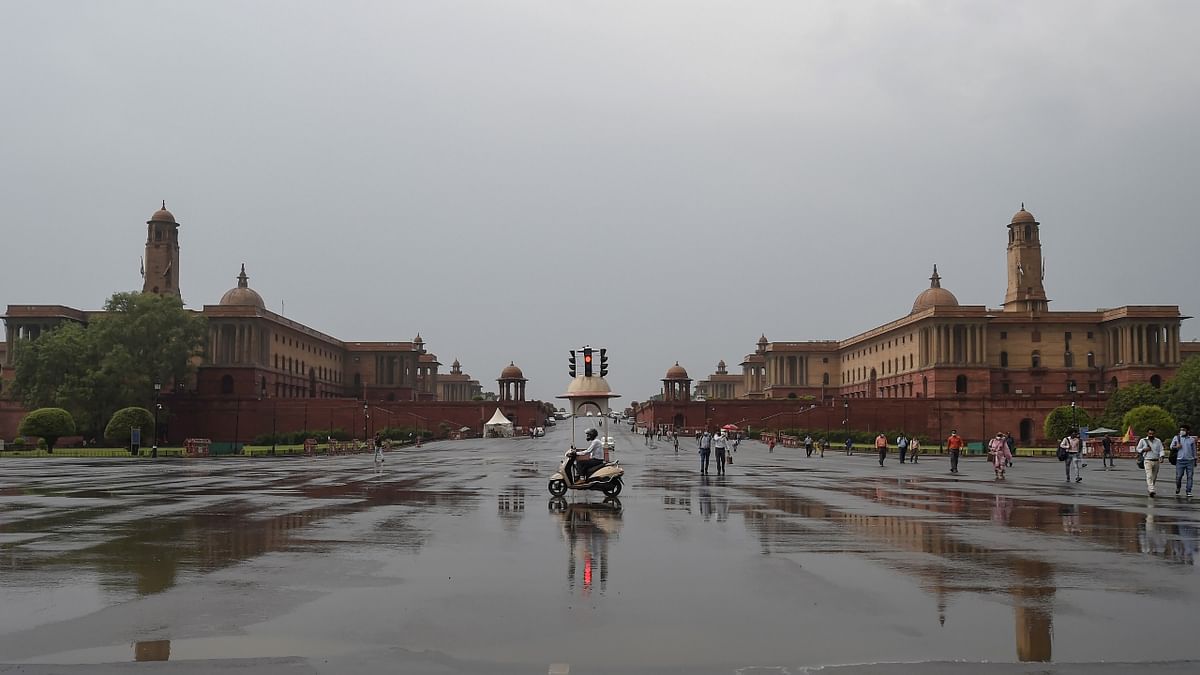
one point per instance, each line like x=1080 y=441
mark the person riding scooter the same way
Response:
x=591 y=457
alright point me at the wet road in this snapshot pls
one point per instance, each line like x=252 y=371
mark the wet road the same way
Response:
x=453 y=558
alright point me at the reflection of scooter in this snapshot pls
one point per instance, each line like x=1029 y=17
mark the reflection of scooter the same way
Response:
x=588 y=530
x=606 y=478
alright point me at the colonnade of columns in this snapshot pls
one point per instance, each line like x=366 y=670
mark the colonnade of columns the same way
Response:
x=754 y=378
x=953 y=343
x=677 y=390
x=237 y=343
x=788 y=370
x=1139 y=343
x=512 y=390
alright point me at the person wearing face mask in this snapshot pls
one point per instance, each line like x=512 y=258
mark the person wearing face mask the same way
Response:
x=1151 y=451
x=1184 y=446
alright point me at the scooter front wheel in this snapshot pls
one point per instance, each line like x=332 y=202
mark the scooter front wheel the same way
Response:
x=558 y=487
x=614 y=488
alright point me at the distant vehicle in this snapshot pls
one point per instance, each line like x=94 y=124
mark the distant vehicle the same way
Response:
x=538 y=432
x=560 y=415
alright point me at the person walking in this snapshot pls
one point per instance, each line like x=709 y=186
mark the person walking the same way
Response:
x=675 y=438
x=1184 y=445
x=902 y=446
x=914 y=447
x=823 y=444
x=1107 y=460
x=705 y=442
x=1012 y=447
x=1074 y=447
x=999 y=453
x=737 y=439
x=881 y=445
x=771 y=443
x=720 y=442
x=955 y=445
x=1150 y=449
x=849 y=446
x=808 y=446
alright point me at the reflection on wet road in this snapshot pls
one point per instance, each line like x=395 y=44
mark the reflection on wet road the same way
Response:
x=787 y=561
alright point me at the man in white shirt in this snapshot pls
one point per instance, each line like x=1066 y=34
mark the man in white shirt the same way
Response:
x=591 y=457
x=1151 y=450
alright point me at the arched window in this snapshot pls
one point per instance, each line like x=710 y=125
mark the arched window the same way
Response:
x=1112 y=384
x=1068 y=360
x=960 y=384
x=1155 y=381
x=227 y=384
x=1028 y=232
x=1036 y=359
x=825 y=379
x=1091 y=359
x=1003 y=359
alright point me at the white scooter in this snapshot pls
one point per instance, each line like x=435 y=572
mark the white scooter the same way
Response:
x=606 y=478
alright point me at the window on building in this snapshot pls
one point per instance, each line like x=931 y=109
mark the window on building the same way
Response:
x=227 y=384
x=1037 y=336
x=1028 y=232
x=1037 y=389
x=1067 y=335
x=1003 y=335
x=1036 y=359
x=1091 y=359
x=1091 y=387
x=960 y=384
x=1068 y=360
x=1091 y=335
x=1155 y=381
x=825 y=379
x=1004 y=387
x=1003 y=359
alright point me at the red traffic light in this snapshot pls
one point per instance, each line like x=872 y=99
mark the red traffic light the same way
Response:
x=587 y=358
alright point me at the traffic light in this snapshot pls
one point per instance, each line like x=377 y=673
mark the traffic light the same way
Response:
x=572 y=362
x=587 y=362
x=603 y=362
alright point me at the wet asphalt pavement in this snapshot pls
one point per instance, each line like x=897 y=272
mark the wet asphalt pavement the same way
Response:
x=453 y=558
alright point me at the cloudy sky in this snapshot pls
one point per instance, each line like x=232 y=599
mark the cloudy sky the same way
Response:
x=668 y=179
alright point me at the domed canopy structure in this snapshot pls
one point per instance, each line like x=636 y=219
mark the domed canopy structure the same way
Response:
x=511 y=372
x=676 y=372
x=1023 y=216
x=162 y=216
x=243 y=295
x=721 y=368
x=935 y=295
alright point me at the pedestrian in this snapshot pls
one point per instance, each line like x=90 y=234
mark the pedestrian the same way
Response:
x=720 y=442
x=823 y=444
x=914 y=446
x=379 y=448
x=902 y=446
x=1074 y=448
x=676 y=439
x=1150 y=450
x=955 y=445
x=999 y=453
x=737 y=439
x=808 y=446
x=1012 y=447
x=1106 y=442
x=1184 y=445
x=771 y=443
x=881 y=446
x=705 y=442
x=849 y=446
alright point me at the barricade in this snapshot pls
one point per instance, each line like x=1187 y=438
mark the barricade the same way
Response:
x=196 y=447
x=310 y=447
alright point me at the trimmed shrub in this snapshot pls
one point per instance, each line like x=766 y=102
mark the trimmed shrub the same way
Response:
x=1146 y=417
x=117 y=431
x=49 y=424
x=1062 y=419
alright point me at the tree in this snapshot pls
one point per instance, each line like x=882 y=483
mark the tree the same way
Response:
x=49 y=424
x=1146 y=417
x=1183 y=393
x=125 y=419
x=1062 y=419
x=114 y=361
x=1126 y=399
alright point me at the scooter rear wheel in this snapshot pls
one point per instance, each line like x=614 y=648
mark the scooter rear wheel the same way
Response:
x=614 y=488
x=558 y=487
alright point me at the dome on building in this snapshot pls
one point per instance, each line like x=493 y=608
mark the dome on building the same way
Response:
x=162 y=215
x=417 y=340
x=1023 y=216
x=935 y=295
x=676 y=372
x=456 y=364
x=243 y=295
x=511 y=372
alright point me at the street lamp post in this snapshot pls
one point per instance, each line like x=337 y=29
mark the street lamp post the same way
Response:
x=365 y=416
x=157 y=407
x=274 y=415
x=1074 y=417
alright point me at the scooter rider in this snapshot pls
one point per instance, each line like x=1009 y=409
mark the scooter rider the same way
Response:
x=591 y=457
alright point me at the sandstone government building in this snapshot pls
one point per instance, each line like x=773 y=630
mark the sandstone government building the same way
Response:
x=262 y=371
x=943 y=364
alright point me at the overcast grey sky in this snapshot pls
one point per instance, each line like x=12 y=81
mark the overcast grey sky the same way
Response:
x=669 y=179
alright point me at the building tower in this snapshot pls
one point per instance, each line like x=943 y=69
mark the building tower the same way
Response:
x=1025 y=269
x=512 y=383
x=677 y=386
x=160 y=267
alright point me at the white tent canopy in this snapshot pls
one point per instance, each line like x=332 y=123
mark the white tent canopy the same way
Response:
x=498 y=427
